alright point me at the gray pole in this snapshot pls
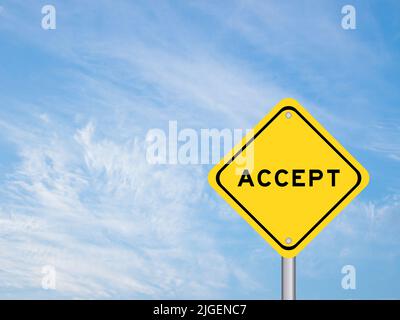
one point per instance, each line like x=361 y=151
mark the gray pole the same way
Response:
x=288 y=278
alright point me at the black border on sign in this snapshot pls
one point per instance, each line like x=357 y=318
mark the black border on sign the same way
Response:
x=251 y=215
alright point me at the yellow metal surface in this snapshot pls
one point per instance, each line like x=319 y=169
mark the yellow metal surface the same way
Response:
x=288 y=178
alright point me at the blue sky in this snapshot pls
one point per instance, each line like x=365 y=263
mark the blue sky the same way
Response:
x=76 y=104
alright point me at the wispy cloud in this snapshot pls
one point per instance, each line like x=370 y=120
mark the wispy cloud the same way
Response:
x=110 y=223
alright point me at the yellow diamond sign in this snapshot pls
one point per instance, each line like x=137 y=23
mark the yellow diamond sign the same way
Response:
x=288 y=178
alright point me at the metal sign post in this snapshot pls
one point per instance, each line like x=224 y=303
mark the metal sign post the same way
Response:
x=288 y=278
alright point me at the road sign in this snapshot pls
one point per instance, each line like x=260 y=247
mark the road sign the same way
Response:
x=288 y=178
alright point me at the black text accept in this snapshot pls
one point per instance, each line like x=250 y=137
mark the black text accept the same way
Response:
x=283 y=177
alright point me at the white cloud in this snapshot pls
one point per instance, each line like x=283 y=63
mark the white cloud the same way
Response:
x=111 y=224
